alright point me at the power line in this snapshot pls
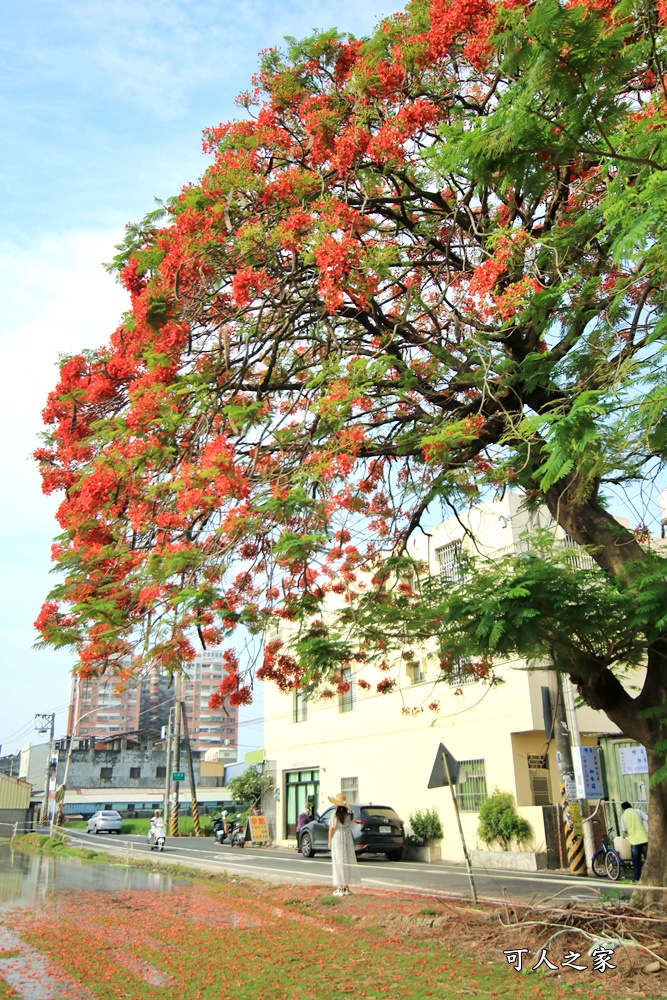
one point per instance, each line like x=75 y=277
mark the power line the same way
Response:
x=313 y=707
x=30 y=726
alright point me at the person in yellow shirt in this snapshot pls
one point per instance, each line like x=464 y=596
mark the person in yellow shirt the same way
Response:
x=634 y=824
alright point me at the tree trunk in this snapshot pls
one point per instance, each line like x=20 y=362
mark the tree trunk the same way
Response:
x=617 y=552
x=655 y=868
x=613 y=547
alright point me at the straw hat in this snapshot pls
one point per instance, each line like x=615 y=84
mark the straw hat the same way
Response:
x=338 y=800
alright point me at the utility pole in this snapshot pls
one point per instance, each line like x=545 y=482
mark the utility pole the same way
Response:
x=576 y=858
x=60 y=792
x=70 y=748
x=46 y=723
x=191 y=770
x=575 y=740
x=167 y=780
x=173 y=816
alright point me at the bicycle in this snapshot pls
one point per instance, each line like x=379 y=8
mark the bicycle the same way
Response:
x=615 y=865
x=607 y=862
x=598 y=861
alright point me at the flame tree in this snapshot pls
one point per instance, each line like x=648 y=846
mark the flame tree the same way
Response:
x=425 y=264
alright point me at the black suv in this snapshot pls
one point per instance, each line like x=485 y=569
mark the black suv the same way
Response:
x=375 y=830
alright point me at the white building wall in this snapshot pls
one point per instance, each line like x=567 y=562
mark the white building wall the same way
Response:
x=389 y=742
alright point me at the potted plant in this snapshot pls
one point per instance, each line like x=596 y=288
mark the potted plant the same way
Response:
x=499 y=823
x=426 y=828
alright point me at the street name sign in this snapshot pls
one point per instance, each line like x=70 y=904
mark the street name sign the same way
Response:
x=178 y=776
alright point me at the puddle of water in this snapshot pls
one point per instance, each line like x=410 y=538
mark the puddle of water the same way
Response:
x=25 y=879
x=38 y=888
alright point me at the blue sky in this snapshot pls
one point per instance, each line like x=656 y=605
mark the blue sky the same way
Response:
x=102 y=105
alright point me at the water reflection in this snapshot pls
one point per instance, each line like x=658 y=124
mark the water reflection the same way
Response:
x=26 y=878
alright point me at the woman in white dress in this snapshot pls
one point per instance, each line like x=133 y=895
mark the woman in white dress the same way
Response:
x=341 y=845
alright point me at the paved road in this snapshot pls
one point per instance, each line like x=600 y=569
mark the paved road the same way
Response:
x=282 y=864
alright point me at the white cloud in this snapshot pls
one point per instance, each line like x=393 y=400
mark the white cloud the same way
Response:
x=158 y=53
x=102 y=106
x=56 y=298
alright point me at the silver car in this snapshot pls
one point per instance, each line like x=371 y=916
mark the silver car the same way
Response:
x=107 y=820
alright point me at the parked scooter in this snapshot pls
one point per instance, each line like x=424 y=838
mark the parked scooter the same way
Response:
x=238 y=836
x=228 y=832
x=221 y=829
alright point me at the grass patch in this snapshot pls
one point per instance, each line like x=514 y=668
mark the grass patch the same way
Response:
x=32 y=839
x=141 y=826
x=41 y=843
x=259 y=951
x=611 y=895
x=298 y=904
x=231 y=938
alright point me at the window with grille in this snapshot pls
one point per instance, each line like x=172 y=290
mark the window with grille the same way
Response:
x=538 y=772
x=300 y=705
x=472 y=792
x=459 y=674
x=106 y=773
x=347 y=697
x=135 y=772
x=161 y=771
x=350 y=789
x=449 y=562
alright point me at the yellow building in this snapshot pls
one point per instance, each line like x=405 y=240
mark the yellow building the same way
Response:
x=14 y=804
x=380 y=748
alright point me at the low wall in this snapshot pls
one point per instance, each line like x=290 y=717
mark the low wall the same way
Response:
x=428 y=853
x=518 y=861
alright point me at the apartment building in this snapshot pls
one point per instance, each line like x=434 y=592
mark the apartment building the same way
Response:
x=381 y=748
x=97 y=710
x=209 y=728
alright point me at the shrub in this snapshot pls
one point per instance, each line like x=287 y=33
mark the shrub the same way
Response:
x=500 y=823
x=425 y=826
